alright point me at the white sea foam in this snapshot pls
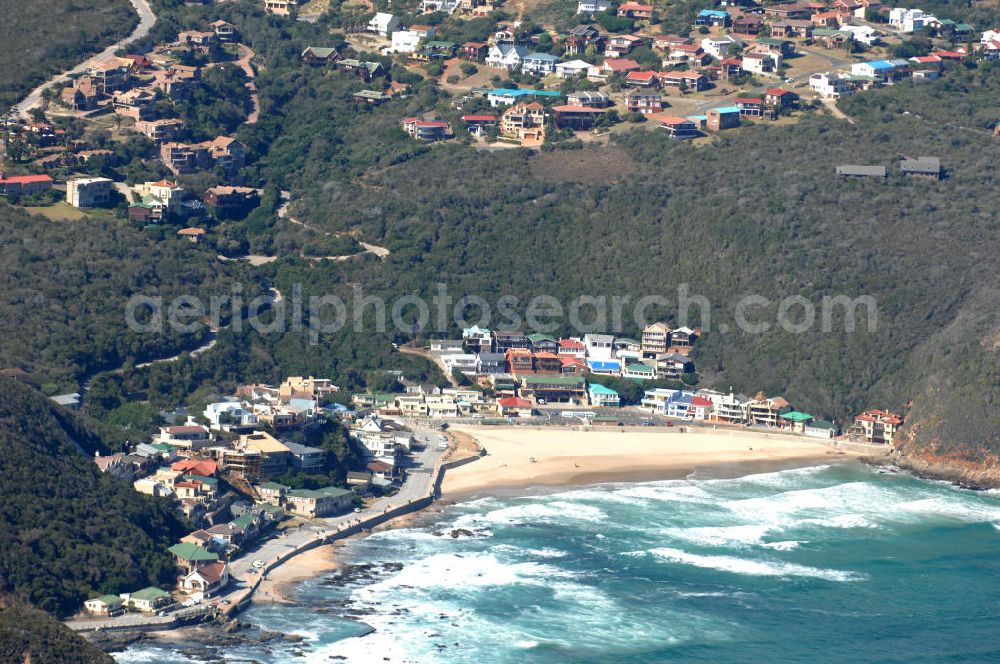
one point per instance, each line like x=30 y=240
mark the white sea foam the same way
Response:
x=608 y=494
x=452 y=570
x=842 y=521
x=728 y=536
x=792 y=477
x=752 y=567
x=787 y=545
x=958 y=509
x=672 y=491
x=549 y=512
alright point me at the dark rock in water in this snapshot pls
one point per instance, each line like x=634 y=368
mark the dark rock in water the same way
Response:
x=114 y=641
x=393 y=567
x=437 y=533
x=233 y=626
x=462 y=532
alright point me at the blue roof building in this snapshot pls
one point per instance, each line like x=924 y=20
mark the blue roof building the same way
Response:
x=607 y=367
x=713 y=17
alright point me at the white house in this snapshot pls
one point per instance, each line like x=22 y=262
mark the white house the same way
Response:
x=447 y=6
x=539 y=64
x=405 y=41
x=592 y=6
x=599 y=346
x=206 y=580
x=990 y=36
x=656 y=400
x=761 y=63
x=830 y=85
x=726 y=408
x=721 y=47
x=226 y=415
x=88 y=192
x=603 y=396
x=383 y=24
x=874 y=68
x=905 y=19
x=865 y=34
x=506 y=56
x=572 y=69
x=464 y=362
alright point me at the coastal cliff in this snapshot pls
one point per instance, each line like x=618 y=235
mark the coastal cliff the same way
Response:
x=952 y=428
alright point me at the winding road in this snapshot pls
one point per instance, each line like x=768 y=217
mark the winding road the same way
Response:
x=146 y=21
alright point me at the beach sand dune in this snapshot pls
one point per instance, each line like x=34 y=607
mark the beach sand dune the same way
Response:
x=519 y=457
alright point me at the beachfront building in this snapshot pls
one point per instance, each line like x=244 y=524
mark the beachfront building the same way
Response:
x=765 y=412
x=874 y=426
x=553 y=388
x=657 y=400
x=206 y=580
x=726 y=408
x=314 y=503
x=514 y=407
x=603 y=396
x=146 y=600
x=821 y=429
x=105 y=605
x=795 y=421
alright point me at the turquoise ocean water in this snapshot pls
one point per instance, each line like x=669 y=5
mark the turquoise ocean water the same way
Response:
x=835 y=563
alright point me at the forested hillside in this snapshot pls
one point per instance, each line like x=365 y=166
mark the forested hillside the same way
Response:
x=40 y=39
x=65 y=286
x=759 y=211
x=66 y=531
x=29 y=635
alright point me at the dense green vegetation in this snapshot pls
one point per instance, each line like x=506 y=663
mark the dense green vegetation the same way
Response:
x=37 y=41
x=67 y=285
x=29 y=635
x=970 y=93
x=757 y=211
x=66 y=531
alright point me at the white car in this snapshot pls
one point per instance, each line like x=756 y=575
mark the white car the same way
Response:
x=443 y=445
x=258 y=563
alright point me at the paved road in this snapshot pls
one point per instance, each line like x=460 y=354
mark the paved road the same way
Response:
x=419 y=482
x=146 y=21
x=831 y=61
x=282 y=211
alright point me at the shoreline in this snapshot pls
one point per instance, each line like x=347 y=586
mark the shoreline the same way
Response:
x=566 y=458
x=518 y=458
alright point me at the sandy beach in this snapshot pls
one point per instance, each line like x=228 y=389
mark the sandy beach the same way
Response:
x=520 y=457
x=568 y=457
x=306 y=565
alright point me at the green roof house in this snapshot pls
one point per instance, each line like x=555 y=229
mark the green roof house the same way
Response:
x=148 y=599
x=821 y=429
x=795 y=420
x=191 y=556
x=103 y=605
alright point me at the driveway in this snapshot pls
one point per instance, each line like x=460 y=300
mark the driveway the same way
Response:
x=146 y=21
